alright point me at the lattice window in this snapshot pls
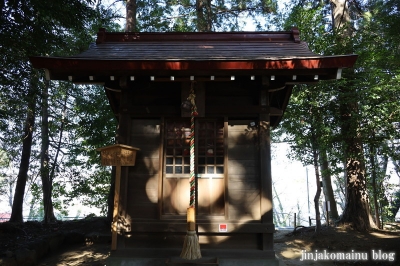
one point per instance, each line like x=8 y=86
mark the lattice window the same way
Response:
x=209 y=149
x=209 y=164
x=177 y=156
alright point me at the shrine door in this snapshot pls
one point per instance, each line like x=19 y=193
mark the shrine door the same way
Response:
x=209 y=167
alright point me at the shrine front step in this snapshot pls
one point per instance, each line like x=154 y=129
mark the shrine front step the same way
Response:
x=126 y=261
x=199 y=262
x=170 y=257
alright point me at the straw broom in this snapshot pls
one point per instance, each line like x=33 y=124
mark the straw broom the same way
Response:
x=191 y=246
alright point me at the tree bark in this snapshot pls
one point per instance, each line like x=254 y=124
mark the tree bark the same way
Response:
x=315 y=119
x=17 y=207
x=374 y=188
x=45 y=160
x=204 y=15
x=356 y=211
x=131 y=9
x=327 y=185
x=340 y=17
x=318 y=193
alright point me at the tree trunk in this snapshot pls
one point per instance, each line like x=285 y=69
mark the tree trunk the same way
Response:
x=315 y=119
x=318 y=193
x=44 y=160
x=356 y=211
x=131 y=8
x=280 y=206
x=204 y=15
x=209 y=16
x=340 y=17
x=10 y=196
x=277 y=218
x=327 y=185
x=17 y=207
x=374 y=188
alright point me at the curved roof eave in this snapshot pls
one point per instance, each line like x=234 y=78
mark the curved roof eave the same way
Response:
x=64 y=67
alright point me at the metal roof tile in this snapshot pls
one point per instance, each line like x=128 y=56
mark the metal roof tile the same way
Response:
x=197 y=51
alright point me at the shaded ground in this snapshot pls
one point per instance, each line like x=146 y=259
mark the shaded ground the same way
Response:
x=292 y=247
x=77 y=255
x=289 y=246
x=60 y=243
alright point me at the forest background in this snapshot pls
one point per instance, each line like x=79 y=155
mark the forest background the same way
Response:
x=343 y=133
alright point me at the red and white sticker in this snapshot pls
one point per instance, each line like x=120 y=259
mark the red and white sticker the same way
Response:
x=223 y=227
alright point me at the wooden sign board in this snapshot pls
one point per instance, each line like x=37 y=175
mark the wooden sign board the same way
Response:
x=118 y=155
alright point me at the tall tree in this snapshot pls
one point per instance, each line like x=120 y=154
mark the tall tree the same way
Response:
x=130 y=24
x=378 y=50
x=47 y=183
x=32 y=28
x=315 y=155
x=360 y=103
x=327 y=184
x=357 y=209
x=306 y=122
x=17 y=207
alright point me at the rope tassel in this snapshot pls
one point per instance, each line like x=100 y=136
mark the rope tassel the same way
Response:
x=191 y=246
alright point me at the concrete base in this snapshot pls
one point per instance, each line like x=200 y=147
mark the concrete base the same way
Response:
x=167 y=257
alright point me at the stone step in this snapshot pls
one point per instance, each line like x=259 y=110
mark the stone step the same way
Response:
x=176 y=261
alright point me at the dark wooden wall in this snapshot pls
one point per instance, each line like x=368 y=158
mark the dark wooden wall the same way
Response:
x=142 y=189
x=243 y=171
x=150 y=107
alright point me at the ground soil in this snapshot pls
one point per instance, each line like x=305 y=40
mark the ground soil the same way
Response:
x=289 y=244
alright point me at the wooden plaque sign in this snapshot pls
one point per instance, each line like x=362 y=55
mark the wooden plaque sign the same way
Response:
x=118 y=155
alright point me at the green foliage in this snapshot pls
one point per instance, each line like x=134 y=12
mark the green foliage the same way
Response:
x=371 y=90
x=89 y=123
x=218 y=15
x=4 y=180
x=81 y=120
x=43 y=28
x=151 y=15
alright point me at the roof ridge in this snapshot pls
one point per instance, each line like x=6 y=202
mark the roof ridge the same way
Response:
x=265 y=36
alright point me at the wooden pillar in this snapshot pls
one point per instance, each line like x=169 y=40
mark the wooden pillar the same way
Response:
x=265 y=166
x=124 y=120
x=114 y=225
x=123 y=137
x=117 y=155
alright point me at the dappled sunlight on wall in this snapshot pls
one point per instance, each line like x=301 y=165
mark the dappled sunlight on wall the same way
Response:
x=243 y=172
x=267 y=203
x=142 y=180
x=150 y=184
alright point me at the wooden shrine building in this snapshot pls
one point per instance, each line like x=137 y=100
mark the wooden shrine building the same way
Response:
x=242 y=82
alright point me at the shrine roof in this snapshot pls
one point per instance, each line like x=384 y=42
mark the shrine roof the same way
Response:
x=221 y=46
x=259 y=53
